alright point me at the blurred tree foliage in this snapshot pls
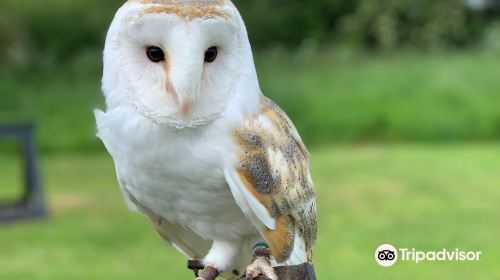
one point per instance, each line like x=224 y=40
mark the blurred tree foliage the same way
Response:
x=38 y=33
x=426 y=23
x=382 y=24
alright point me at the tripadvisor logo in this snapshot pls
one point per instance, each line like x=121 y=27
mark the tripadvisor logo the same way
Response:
x=387 y=255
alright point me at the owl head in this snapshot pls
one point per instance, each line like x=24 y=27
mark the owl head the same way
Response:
x=179 y=63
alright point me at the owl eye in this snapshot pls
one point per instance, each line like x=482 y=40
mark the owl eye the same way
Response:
x=155 y=54
x=211 y=54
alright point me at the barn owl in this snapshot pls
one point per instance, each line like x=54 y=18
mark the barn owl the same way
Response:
x=217 y=167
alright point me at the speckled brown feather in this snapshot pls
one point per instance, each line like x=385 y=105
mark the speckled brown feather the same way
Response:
x=187 y=9
x=274 y=167
x=193 y=3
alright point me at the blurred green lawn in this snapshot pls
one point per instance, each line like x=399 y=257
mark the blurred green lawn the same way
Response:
x=428 y=196
x=424 y=196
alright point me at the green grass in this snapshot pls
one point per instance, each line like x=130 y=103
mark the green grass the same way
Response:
x=424 y=196
x=393 y=97
x=401 y=97
x=9 y=184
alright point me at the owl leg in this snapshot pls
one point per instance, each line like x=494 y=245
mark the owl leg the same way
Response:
x=219 y=258
x=261 y=264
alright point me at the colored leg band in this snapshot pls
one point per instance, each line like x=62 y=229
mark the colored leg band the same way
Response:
x=260 y=244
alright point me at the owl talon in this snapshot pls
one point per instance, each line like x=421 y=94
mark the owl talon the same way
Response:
x=261 y=265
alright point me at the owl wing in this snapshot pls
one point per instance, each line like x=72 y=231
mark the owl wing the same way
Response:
x=272 y=185
x=186 y=241
x=182 y=238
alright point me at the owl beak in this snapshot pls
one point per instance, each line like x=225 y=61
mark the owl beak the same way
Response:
x=186 y=83
x=186 y=106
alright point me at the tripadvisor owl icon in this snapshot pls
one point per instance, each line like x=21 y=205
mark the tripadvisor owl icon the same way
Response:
x=386 y=255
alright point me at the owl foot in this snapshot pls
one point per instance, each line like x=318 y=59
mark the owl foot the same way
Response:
x=209 y=273
x=261 y=265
